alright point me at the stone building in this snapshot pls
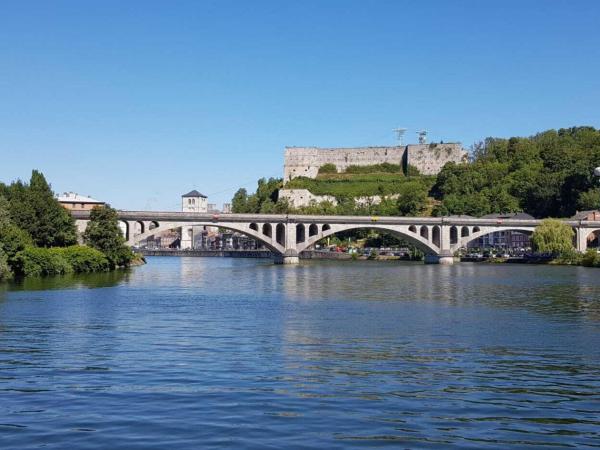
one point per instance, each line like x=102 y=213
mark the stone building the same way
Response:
x=428 y=159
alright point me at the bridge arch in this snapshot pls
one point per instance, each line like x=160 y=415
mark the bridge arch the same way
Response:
x=594 y=242
x=483 y=231
x=399 y=231
x=275 y=247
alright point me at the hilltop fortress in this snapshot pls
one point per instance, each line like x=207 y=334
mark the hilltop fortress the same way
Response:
x=428 y=159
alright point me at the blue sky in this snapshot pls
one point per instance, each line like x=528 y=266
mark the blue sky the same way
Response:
x=136 y=103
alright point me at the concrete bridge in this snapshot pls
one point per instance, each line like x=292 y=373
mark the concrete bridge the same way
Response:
x=288 y=235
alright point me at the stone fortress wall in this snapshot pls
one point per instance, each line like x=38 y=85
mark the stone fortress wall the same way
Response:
x=427 y=158
x=306 y=161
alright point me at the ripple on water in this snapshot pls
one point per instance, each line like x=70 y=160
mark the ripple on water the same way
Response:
x=189 y=352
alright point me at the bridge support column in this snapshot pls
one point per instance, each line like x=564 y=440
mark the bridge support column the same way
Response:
x=582 y=234
x=445 y=258
x=289 y=257
x=187 y=238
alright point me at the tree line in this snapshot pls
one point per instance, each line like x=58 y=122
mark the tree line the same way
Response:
x=549 y=174
x=38 y=235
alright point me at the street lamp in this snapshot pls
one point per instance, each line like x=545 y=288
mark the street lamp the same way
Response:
x=597 y=172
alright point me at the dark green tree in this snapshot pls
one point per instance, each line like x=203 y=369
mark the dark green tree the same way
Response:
x=34 y=209
x=239 y=203
x=103 y=233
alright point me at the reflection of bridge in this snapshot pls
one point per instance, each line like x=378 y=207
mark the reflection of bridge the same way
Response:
x=288 y=235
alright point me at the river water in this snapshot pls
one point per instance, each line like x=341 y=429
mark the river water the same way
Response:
x=188 y=353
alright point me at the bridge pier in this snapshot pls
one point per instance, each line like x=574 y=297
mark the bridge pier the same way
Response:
x=289 y=257
x=445 y=258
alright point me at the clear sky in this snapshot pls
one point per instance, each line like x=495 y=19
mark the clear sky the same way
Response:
x=138 y=102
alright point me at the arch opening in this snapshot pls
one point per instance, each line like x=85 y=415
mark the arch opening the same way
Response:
x=325 y=228
x=453 y=235
x=300 y=233
x=593 y=239
x=436 y=236
x=254 y=226
x=248 y=234
x=313 y=230
x=513 y=240
x=280 y=234
x=464 y=232
x=412 y=229
x=425 y=232
x=152 y=225
x=410 y=239
x=267 y=230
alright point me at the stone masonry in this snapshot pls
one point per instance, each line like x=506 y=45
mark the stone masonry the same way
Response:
x=427 y=158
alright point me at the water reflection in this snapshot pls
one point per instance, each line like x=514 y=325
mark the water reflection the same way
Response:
x=245 y=354
x=70 y=281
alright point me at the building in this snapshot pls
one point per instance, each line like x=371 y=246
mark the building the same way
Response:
x=428 y=159
x=194 y=201
x=226 y=208
x=74 y=201
x=510 y=239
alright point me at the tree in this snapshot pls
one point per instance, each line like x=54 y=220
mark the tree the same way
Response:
x=589 y=200
x=412 y=199
x=553 y=236
x=103 y=233
x=4 y=211
x=34 y=209
x=239 y=203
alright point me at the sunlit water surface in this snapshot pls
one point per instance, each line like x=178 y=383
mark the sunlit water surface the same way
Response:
x=188 y=353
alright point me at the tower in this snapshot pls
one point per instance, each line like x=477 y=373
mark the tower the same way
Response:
x=193 y=202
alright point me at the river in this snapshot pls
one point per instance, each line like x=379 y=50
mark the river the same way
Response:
x=188 y=353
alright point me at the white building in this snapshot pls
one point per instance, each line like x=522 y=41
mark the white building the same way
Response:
x=193 y=201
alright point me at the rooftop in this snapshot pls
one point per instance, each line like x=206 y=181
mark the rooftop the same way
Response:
x=74 y=197
x=515 y=216
x=194 y=193
x=583 y=215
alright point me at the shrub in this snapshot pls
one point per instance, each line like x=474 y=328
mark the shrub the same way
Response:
x=328 y=168
x=13 y=240
x=591 y=258
x=35 y=261
x=376 y=168
x=85 y=259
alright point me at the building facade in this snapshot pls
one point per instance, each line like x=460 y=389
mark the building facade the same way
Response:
x=74 y=201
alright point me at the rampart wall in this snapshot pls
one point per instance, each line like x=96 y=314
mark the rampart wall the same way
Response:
x=427 y=158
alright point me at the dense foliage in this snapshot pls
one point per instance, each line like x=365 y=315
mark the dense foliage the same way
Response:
x=554 y=237
x=591 y=258
x=103 y=233
x=546 y=175
x=264 y=200
x=37 y=233
x=33 y=209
